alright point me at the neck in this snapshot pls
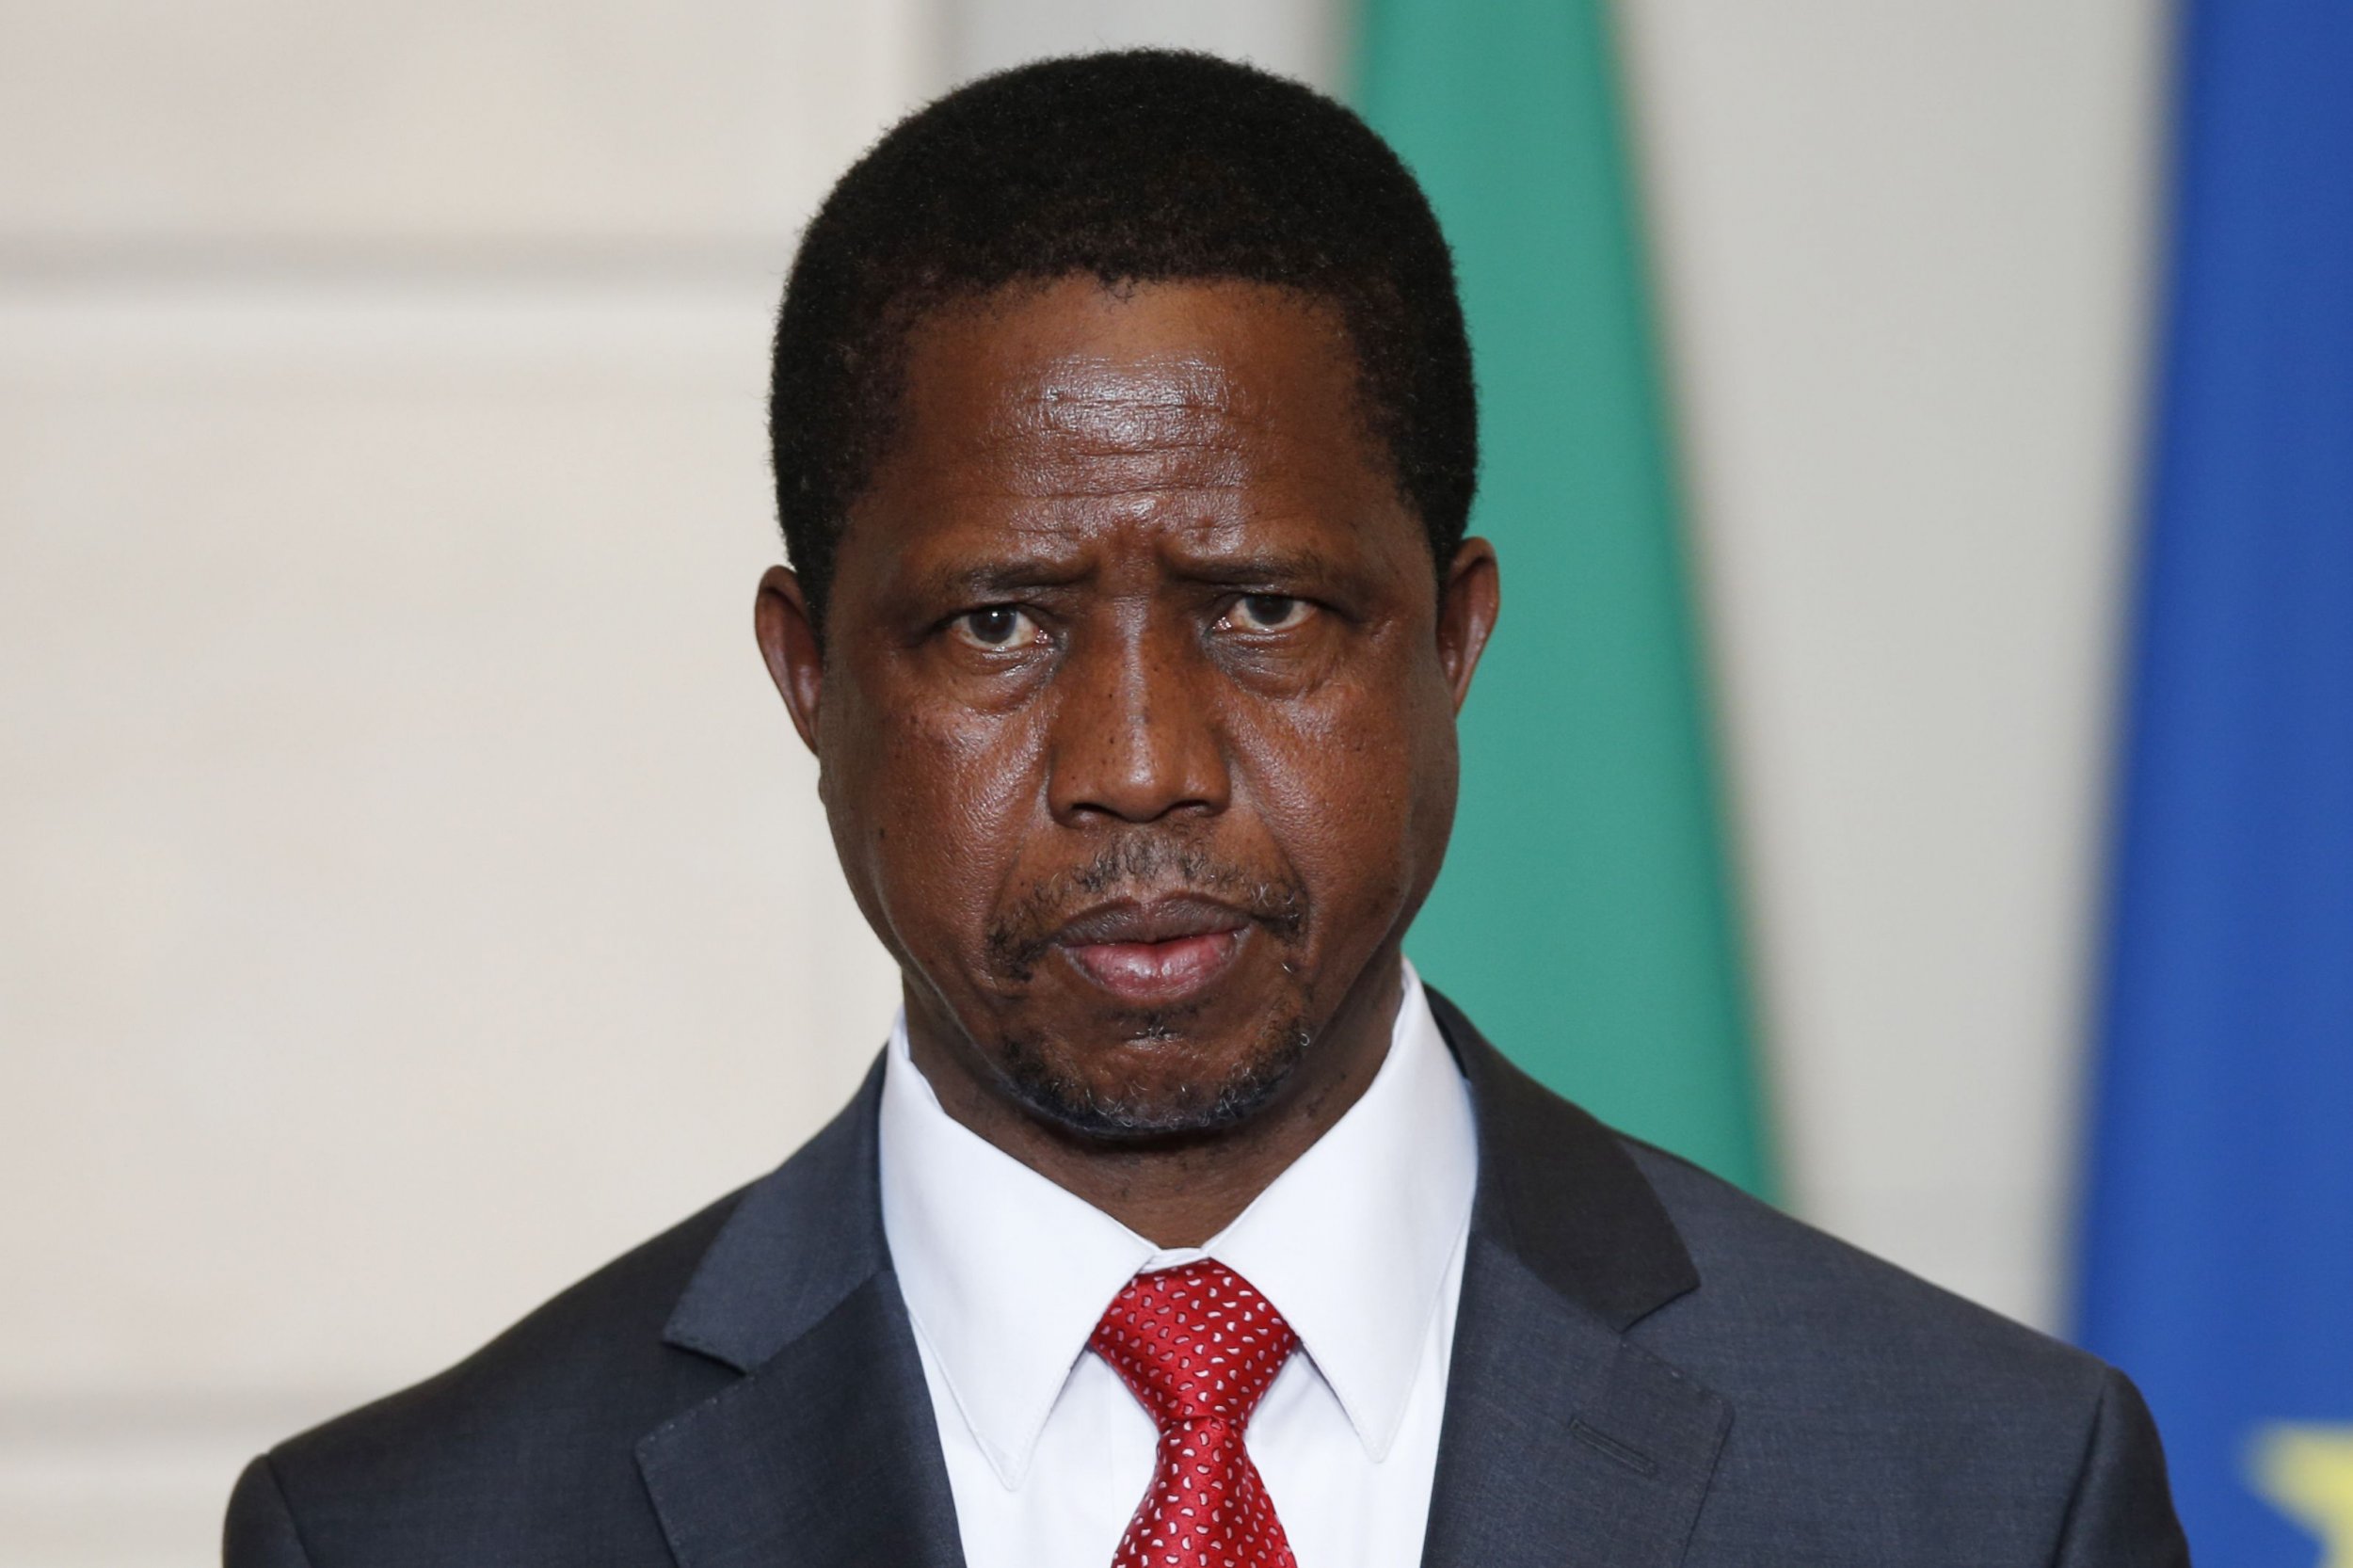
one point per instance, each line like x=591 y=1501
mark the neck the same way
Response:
x=1179 y=1193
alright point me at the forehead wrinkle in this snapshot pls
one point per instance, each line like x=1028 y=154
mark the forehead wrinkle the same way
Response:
x=1047 y=472
x=1091 y=427
x=1123 y=404
x=1122 y=479
x=1173 y=380
x=1044 y=465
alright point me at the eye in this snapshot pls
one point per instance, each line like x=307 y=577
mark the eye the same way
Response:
x=996 y=627
x=1267 y=613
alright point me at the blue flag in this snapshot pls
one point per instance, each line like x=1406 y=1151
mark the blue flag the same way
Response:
x=2218 y=1264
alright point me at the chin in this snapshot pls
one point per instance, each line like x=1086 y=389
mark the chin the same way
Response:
x=1154 y=1091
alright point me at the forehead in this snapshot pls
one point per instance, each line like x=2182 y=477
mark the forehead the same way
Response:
x=1237 y=350
x=1073 y=411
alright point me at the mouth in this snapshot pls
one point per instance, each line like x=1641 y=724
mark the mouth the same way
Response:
x=1154 y=953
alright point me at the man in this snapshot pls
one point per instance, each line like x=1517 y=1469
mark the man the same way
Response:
x=1125 y=436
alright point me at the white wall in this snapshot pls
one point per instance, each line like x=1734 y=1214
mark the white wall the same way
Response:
x=390 y=802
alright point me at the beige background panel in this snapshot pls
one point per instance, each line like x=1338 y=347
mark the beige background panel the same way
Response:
x=417 y=892
x=469 y=127
x=412 y=891
x=416 y=895
x=1901 y=255
x=1307 y=39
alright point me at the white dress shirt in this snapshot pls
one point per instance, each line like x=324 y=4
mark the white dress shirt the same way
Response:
x=1358 y=1245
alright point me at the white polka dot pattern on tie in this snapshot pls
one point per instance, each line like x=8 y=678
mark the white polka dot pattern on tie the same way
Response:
x=1199 y=1348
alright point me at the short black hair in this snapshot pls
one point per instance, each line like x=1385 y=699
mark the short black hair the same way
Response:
x=1142 y=166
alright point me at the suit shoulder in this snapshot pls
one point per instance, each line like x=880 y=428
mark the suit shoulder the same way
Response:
x=1776 y=1291
x=1876 y=1418
x=567 y=1391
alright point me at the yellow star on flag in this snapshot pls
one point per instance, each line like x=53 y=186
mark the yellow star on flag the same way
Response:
x=2306 y=1471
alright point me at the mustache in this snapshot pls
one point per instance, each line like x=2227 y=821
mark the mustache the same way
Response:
x=1145 y=868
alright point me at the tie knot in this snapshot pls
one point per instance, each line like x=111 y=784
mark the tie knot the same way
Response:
x=1195 y=1343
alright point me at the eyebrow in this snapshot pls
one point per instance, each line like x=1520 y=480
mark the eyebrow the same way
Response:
x=1261 y=566
x=997 y=578
x=1008 y=576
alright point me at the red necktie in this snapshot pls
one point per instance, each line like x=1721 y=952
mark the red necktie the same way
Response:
x=1198 y=1347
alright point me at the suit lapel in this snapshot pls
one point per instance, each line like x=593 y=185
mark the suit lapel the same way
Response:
x=1563 y=1441
x=824 y=1453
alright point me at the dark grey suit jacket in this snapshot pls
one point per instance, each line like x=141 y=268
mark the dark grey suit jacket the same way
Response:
x=1650 y=1368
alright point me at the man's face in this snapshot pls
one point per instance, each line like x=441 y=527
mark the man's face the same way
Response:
x=1136 y=719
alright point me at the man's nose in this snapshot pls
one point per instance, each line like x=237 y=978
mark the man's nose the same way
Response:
x=1137 y=732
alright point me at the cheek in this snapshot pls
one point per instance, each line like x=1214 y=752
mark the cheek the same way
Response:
x=1339 y=781
x=935 y=806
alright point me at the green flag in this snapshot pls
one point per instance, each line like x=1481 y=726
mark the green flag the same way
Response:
x=1584 y=917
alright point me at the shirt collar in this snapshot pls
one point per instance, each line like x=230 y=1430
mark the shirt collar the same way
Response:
x=1355 y=1241
x=1005 y=1274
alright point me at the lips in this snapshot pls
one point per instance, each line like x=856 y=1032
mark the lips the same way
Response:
x=1153 y=953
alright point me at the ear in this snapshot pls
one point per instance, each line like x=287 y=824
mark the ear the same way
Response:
x=788 y=641
x=1467 y=607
